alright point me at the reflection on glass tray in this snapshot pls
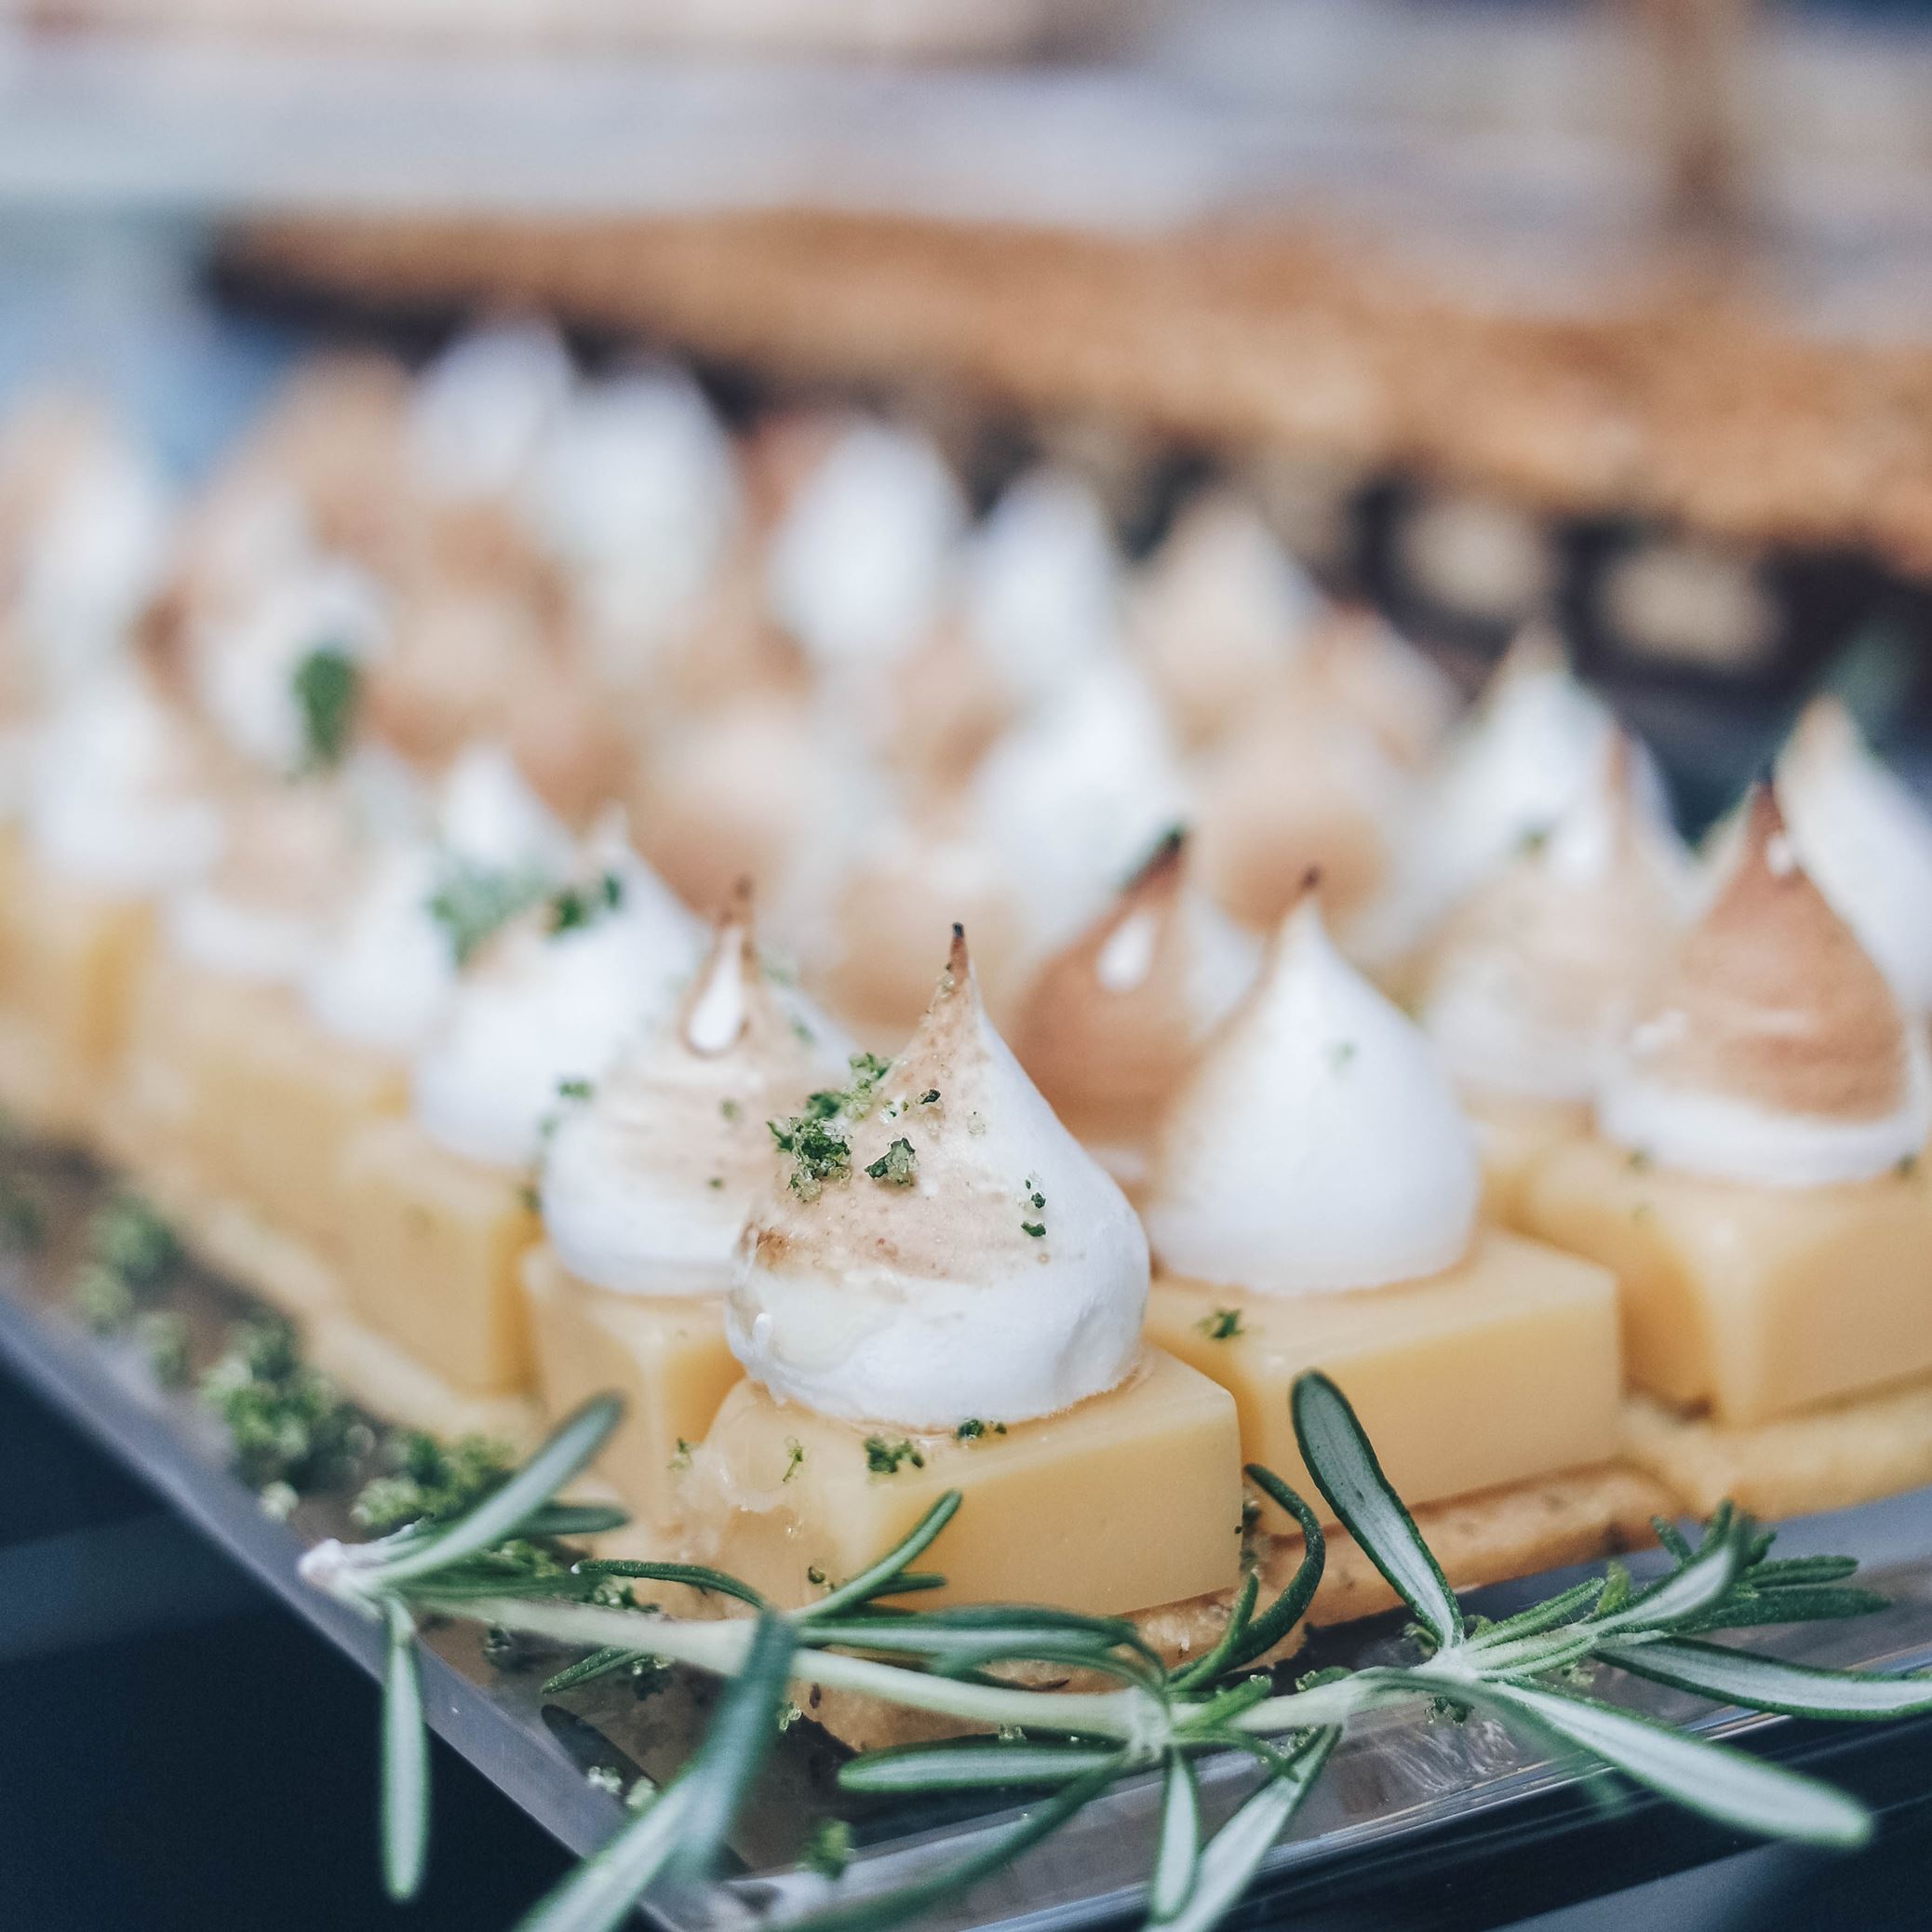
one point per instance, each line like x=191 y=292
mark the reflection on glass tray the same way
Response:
x=1398 y=1778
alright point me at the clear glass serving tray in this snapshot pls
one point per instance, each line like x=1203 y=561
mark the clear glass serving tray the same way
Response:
x=1398 y=1782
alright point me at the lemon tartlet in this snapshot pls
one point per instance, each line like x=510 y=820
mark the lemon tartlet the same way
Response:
x=941 y=1290
x=646 y=1183
x=1112 y=1023
x=439 y=1202
x=1315 y=1203
x=1755 y=1180
x=121 y=811
x=1530 y=982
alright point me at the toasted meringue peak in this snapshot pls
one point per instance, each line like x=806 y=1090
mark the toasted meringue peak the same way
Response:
x=1318 y=1144
x=962 y=1258
x=385 y=969
x=1043 y=593
x=289 y=862
x=1359 y=662
x=1866 y=839
x=1113 y=1022
x=489 y=814
x=1531 y=746
x=85 y=546
x=551 y=1000
x=918 y=868
x=636 y=491
x=1773 y=1052
x=648 y=1182
x=859 y=568
x=1218 y=613
x=248 y=663
x=1533 y=978
x=1298 y=786
x=482 y=410
x=1073 y=796
x=120 y=792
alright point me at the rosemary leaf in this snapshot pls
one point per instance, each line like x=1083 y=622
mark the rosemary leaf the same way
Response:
x=736 y=1746
x=946 y=1886
x=1698 y=1586
x=972 y=1767
x=1706 y=1776
x=599 y=1663
x=1343 y=1464
x=1539 y=1619
x=574 y=1519
x=405 y=1763
x=1288 y=1609
x=1178 y=1850
x=878 y=1579
x=1215 y=1660
x=1787 y=1572
x=695 y=1575
x=601 y=1893
x=531 y=1489
x=1767 y=1684
x=1232 y=1855
x=1749 y=1609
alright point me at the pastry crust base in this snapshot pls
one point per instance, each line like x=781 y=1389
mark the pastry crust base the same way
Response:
x=1828 y=1458
x=1520 y=1530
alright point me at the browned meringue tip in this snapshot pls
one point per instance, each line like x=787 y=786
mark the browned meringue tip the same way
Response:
x=1534 y=651
x=1825 y=726
x=732 y=952
x=738 y=904
x=1161 y=867
x=1775 y=1000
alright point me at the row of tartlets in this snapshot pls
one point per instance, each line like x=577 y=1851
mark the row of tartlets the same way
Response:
x=1629 y=1214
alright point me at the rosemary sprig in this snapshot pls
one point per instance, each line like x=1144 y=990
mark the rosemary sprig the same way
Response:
x=1071 y=1745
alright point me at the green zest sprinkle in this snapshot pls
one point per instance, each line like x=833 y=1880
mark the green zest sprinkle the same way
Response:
x=1036 y=1229
x=1223 y=1325
x=929 y=1096
x=973 y=1429
x=129 y=1237
x=682 y=1459
x=730 y=1109
x=22 y=1218
x=431 y=1480
x=472 y=903
x=328 y=688
x=1639 y=1161
x=576 y=907
x=884 y=1458
x=288 y=1423
x=795 y=1453
x=827 y=1848
x=1340 y=1053
x=819 y=1153
x=898 y=1167
x=575 y=1090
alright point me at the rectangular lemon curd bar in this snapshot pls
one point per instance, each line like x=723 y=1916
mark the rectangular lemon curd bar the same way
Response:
x=1750 y=1303
x=665 y=1355
x=434 y=1246
x=235 y=1083
x=70 y=961
x=1128 y=1500
x=1500 y=1369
